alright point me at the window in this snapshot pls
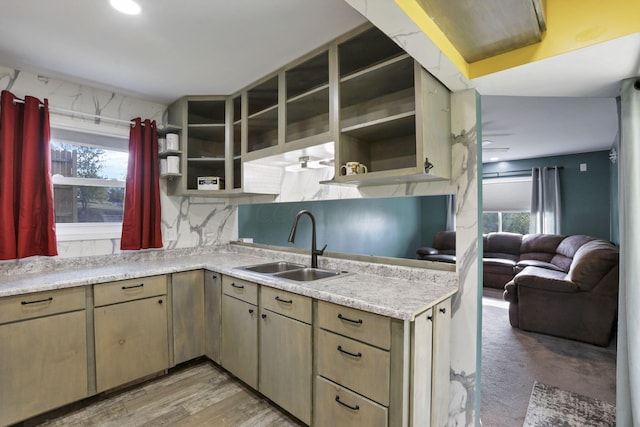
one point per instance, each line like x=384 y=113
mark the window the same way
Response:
x=89 y=173
x=506 y=205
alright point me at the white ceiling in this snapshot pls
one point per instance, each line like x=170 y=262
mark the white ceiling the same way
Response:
x=191 y=47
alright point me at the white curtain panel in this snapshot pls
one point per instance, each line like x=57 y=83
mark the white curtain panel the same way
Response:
x=628 y=374
x=545 y=201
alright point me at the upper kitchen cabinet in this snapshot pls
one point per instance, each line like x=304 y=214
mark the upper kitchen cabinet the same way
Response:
x=262 y=115
x=236 y=140
x=307 y=100
x=394 y=116
x=205 y=146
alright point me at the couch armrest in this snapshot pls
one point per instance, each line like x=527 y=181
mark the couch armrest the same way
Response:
x=544 y=279
x=427 y=251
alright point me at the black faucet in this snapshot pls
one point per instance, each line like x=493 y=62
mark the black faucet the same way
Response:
x=314 y=252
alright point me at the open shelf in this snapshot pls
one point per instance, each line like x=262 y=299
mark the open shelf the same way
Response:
x=206 y=112
x=368 y=48
x=263 y=96
x=384 y=128
x=308 y=115
x=383 y=79
x=263 y=130
x=308 y=76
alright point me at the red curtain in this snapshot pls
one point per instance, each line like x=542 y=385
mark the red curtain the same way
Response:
x=27 y=219
x=141 y=221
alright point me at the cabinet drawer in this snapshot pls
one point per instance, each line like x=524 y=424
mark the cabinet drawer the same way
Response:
x=241 y=289
x=28 y=306
x=291 y=305
x=336 y=406
x=357 y=366
x=357 y=324
x=129 y=290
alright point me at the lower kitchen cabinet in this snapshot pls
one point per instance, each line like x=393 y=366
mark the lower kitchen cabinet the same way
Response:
x=131 y=339
x=361 y=372
x=43 y=360
x=212 y=314
x=240 y=339
x=286 y=353
x=188 y=313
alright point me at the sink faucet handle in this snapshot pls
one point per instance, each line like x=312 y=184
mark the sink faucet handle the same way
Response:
x=320 y=251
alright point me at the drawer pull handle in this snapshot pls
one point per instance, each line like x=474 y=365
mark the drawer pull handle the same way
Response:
x=443 y=310
x=353 y=408
x=358 y=355
x=284 y=301
x=346 y=319
x=141 y=285
x=38 y=301
x=237 y=286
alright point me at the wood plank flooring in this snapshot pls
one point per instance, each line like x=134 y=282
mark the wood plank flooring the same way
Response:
x=196 y=395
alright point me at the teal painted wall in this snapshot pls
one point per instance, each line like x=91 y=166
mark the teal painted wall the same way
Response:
x=393 y=227
x=586 y=196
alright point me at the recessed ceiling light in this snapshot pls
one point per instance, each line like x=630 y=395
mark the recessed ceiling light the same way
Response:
x=486 y=142
x=128 y=7
x=494 y=159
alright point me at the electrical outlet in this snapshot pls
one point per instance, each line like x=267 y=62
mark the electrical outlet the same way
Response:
x=170 y=235
x=583 y=167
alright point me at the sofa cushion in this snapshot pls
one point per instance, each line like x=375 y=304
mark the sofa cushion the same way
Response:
x=503 y=243
x=540 y=247
x=567 y=249
x=591 y=262
x=545 y=279
x=439 y=258
x=445 y=240
x=521 y=265
x=488 y=256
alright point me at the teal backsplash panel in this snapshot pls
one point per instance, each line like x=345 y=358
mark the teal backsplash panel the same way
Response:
x=393 y=226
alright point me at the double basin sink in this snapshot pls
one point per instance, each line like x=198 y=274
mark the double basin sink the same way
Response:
x=292 y=271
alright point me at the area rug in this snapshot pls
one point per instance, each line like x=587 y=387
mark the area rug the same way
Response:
x=552 y=407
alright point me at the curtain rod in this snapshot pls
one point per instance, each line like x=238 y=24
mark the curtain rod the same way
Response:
x=78 y=113
x=519 y=171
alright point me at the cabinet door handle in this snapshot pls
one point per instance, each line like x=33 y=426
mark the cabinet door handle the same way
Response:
x=264 y=316
x=358 y=355
x=353 y=408
x=430 y=318
x=346 y=319
x=141 y=285
x=285 y=301
x=443 y=310
x=237 y=286
x=214 y=276
x=251 y=311
x=37 y=301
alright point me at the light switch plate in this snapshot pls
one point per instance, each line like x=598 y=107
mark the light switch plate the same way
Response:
x=583 y=167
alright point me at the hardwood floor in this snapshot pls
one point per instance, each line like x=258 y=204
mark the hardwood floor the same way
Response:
x=195 y=395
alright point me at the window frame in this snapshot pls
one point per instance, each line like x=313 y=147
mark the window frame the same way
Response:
x=85 y=231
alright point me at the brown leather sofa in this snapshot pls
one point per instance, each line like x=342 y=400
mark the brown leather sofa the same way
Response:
x=565 y=286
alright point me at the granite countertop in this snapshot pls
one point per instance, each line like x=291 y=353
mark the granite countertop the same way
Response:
x=394 y=291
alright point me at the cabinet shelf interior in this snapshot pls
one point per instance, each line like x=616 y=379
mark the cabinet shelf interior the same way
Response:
x=263 y=96
x=368 y=48
x=308 y=76
x=206 y=112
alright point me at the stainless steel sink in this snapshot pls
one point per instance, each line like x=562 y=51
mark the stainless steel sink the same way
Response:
x=307 y=274
x=273 y=267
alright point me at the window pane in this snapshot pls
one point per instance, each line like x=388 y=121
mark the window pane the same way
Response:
x=88 y=204
x=490 y=222
x=71 y=160
x=516 y=222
